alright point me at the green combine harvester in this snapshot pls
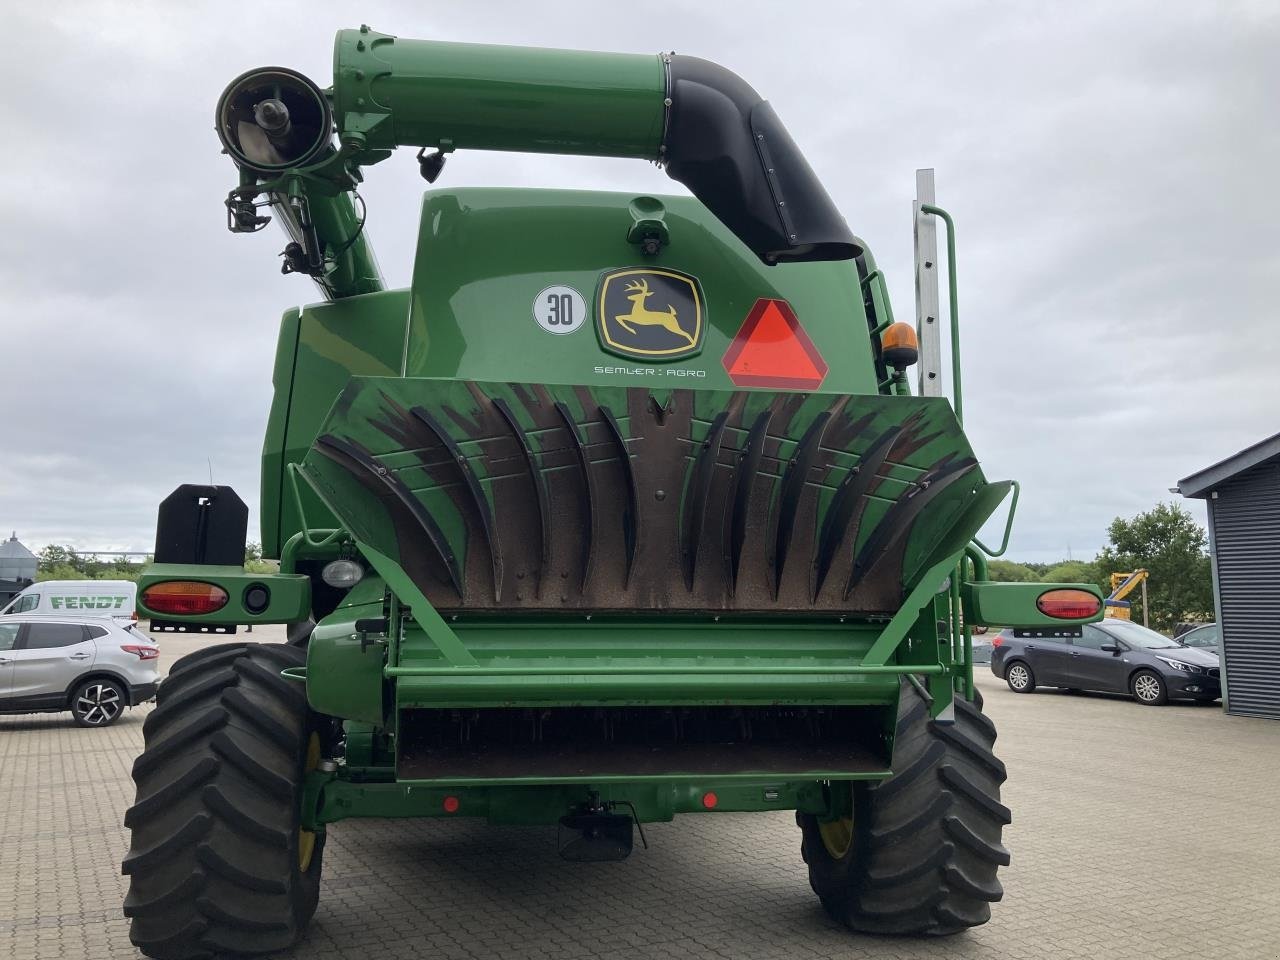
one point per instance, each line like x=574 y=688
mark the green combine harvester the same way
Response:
x=624 y=509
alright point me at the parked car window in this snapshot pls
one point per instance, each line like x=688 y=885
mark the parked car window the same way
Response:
x=1206 y=636
x=29 y=602
x=1091 y=637
x=1139 y=636
x=8 y=635
x=95 y=632
x=43 y=636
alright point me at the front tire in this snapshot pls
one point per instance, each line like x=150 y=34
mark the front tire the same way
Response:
x=218 y=861
x=1149 y=689
x=920 y=852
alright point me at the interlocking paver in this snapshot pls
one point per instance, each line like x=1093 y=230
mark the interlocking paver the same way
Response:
x=1138 y=833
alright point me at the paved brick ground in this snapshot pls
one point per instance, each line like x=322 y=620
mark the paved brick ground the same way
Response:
x=1138 y=833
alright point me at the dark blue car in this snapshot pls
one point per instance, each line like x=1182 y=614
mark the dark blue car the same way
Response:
x=1114 y=656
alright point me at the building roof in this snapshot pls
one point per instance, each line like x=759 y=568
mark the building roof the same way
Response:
x=11 y=549
x=1201 y=483
x=18 y=565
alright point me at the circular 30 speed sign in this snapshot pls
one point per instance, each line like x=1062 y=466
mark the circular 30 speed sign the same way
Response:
x=560 y=309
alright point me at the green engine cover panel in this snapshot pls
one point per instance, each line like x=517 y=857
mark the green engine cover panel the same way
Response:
x=489 y=259
x=501 y=496
x=321 y=347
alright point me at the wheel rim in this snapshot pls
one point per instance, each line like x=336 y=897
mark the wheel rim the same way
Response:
x=307 y=838
x=1018 y=677
x=98 y=704
x=837 y=836
x=1147 y=688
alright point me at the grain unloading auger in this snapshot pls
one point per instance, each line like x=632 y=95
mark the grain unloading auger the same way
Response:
x=623 y=509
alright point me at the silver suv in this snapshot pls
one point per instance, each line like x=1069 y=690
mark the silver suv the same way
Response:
x=90 y=666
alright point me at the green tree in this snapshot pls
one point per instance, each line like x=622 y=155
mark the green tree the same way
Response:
x=56 y=555
x=1171 y=545
x=57 y=562
x=1075 y=571
x=254 y=561
x=1009 y=571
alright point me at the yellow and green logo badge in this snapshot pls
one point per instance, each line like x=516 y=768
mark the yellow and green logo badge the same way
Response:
x=651 y=314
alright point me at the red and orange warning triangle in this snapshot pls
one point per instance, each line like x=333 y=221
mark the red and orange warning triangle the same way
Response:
x=771 y=349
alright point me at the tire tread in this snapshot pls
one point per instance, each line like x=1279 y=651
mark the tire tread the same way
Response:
x=212 y=863
x=926 y=844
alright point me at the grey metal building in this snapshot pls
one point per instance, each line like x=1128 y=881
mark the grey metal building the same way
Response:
x=1243 y=496
x=17 y=568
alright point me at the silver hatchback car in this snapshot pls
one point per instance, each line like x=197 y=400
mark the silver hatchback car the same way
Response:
x=93 y=667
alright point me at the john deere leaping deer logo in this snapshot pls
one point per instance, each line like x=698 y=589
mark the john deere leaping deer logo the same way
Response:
x=649 y=314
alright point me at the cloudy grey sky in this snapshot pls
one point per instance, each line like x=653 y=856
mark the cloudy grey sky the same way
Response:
x=1108 y=165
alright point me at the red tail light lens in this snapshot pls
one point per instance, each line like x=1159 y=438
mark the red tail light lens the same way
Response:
x=997 y=640
x=1068 y=604
x=139 y=651
x=184 y=597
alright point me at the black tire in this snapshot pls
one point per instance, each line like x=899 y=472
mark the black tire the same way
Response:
x=1026 y=681
x=1149 y=688
x=98 y=702
x=215 y=861
x=299 y=634
x=923 y=846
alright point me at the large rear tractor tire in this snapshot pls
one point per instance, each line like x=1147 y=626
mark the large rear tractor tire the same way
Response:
x=219 y=863
x=919 y=854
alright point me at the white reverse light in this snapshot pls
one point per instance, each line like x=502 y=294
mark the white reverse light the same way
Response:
x=342 y=573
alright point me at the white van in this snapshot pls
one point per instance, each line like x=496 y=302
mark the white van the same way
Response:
x=117 y=599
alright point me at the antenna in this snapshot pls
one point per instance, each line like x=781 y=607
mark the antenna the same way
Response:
x=209 y=461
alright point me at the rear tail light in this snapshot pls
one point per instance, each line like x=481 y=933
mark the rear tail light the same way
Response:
x=1068 y=604
x=184 y=597
x=997 y=641
x=139 y=651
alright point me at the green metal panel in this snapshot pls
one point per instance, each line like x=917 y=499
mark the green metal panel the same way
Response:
x=290 y=599
x=344 y=674
x=391 y=92
x=486 y=254
x=321 y=347
x=273 y=444
x=1014 y=604
x=604 y=662
x=536 y=804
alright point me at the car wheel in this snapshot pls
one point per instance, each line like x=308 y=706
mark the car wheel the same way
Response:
x=98 y=703
x=1148 y=688
x=1020 y=678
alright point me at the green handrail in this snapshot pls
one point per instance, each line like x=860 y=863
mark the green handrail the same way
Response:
x=1008 y=526
x=958 y=401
